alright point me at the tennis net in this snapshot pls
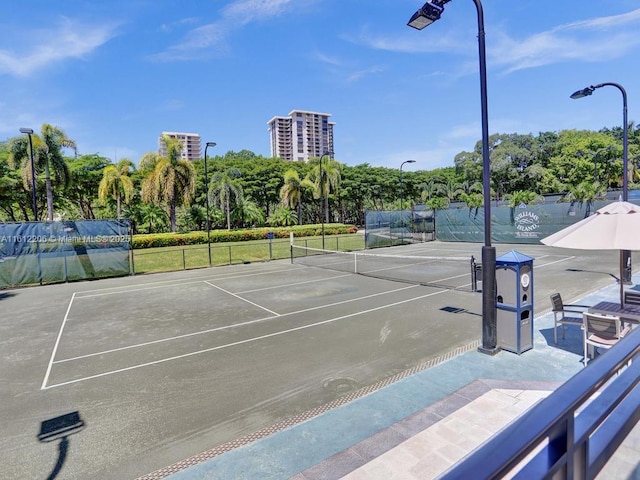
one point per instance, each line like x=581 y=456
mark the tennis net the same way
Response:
x=456 y=273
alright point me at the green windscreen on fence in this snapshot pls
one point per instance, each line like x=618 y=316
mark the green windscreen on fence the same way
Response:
x=522 y=224
x=51 y=252
x=385 y=228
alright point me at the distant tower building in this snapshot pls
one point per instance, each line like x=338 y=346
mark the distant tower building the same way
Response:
x=301 y=136
x=191 y=145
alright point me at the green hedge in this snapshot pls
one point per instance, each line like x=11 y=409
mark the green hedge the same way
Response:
x=220 y=236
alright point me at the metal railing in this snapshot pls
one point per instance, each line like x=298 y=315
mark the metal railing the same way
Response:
x=573 y=432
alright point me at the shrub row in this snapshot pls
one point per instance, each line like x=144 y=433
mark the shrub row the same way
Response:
x=219 y=236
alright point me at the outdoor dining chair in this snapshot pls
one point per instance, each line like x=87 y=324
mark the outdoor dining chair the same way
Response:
x=601 y=331
x=565 y=315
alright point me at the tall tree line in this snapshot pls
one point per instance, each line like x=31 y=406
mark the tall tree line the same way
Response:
x=245 y=189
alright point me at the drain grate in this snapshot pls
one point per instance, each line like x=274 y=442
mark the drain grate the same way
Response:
x=296 y=419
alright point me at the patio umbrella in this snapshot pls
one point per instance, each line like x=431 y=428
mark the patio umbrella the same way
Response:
x=615 y=226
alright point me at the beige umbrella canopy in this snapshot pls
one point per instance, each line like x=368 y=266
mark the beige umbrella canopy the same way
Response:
x=615 y=226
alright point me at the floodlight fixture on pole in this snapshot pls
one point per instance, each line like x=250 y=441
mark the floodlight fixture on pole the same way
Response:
x=429 y=13
x=206 y=189
x=401 y=185
x=424 y=17
x=625 y=255
x=323 y=208
x=34 y=204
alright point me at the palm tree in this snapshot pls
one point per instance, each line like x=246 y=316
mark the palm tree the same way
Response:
x=47 y=156
x=172 y=179
x=223 y=186
x=325 y=176
x=586 y=192
x=117 y=184
x=450 y=189
x=428 y=189
x=523 y=197
x=291 y=192
x=248 y=212
x=283 y=216
x=152 y=214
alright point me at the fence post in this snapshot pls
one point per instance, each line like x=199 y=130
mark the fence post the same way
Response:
x=131 y=254
x=184 y=260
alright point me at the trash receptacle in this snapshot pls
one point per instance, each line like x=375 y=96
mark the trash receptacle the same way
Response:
x=514 y=302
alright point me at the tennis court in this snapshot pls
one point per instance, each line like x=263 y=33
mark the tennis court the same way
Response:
x=165 y=366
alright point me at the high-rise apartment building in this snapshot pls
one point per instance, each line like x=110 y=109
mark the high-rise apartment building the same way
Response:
x=191 y=145
x=301 y=136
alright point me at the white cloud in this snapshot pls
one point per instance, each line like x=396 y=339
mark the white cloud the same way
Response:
x=591 y=40
x=247 y=11
x=69 y=39
x=408 y=42
x=172 y=105
x=345 y=70
x=324 y=58
x=211 y=39
x=359 y=74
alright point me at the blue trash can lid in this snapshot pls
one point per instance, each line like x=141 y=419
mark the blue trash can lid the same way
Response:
x=514 y=257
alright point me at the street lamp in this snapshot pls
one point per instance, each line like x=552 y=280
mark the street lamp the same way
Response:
x=625 y=255
x=428 y=14
x=206 y=189
x=401 y=187
x=34 y=205
x=324 y=209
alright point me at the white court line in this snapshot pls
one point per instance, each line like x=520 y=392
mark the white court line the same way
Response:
x=241 y=342
x=55 y=347
x=243 y=299
x=155 y=285
x=235 y=325
x=295 y=284
x=554 y=262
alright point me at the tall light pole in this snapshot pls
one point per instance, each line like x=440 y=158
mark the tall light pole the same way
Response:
x=206 y=189
x=323 y=208
x=625 y=255
x=401 y=186
x=34 y=204
x=429 y=13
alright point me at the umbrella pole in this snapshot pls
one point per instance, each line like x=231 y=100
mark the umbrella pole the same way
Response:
x=622 y=266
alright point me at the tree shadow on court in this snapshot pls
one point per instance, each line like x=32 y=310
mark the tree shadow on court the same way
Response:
x=4 y=295
x=580 y=270
x=59 y=428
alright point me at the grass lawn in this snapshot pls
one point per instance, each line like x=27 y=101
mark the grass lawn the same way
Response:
x=166 y=259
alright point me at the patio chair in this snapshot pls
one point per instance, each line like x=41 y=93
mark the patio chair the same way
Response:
x=631 y=301
x=632 y=298
x=601 y=331
x=565 y=315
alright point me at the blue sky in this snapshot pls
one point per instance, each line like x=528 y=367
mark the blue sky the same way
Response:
x=114 y=74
